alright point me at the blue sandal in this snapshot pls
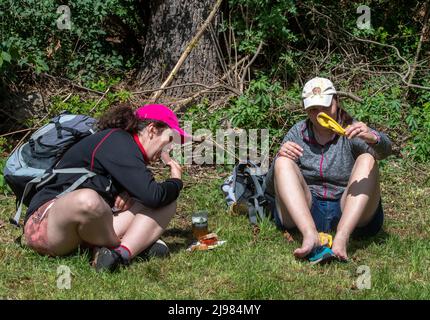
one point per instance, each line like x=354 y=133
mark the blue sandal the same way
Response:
x=321 y=254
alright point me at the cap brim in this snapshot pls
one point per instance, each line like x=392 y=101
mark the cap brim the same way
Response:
x=185 y=137
x=323 y=100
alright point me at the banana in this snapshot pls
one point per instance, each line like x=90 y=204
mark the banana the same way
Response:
x=327 y=122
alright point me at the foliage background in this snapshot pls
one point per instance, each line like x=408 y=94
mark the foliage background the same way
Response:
x=300 y=40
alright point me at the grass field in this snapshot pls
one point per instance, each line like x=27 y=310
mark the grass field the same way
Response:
x=246 y=267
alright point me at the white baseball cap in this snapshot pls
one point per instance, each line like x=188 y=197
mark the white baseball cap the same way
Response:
x=318 y=92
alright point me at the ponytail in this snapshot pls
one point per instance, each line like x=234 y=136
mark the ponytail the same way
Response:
x=122 y=116
x=344 y=118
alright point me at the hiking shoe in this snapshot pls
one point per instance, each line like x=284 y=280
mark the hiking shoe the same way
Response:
x=158 y=249
x=321 y=254
x=107 y=260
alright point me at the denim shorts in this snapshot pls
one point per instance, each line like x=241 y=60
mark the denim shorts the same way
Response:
x=327 y=213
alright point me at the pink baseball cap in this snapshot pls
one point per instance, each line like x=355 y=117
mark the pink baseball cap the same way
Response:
x=159 y=112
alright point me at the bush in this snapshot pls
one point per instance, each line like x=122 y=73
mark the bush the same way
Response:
x=31 y=38
x=4 y=188
x=264 y=105
x=418 y=121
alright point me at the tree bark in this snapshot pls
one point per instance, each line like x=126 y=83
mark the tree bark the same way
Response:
x=171 y=26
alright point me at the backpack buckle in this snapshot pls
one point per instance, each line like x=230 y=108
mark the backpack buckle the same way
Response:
x=13 y=222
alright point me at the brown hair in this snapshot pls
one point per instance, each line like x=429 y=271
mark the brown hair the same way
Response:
x=122 y=116
x=343 y=117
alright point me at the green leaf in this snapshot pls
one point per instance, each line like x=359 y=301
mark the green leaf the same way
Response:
x=6 y=56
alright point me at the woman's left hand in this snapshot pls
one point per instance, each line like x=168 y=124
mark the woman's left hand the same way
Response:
x=123 y=201
x=362 y=131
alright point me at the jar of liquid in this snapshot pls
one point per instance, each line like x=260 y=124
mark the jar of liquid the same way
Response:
x=199 y=224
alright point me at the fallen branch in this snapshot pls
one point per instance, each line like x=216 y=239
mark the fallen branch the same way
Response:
x=257 y=52
x=403 y=76
x=188 y=50
x=100 y=99
x=349 y=95
x=179 y=104
x=72 y=83
x=35 y=127
x=194 y=84
x=417 y=54
x=18 y=131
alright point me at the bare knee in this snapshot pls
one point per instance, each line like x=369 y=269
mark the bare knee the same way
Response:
x=90 y=204
x=284 y=163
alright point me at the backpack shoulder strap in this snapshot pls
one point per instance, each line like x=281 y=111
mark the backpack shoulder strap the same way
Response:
x=27 y=189
x=258 y=198
x=40 y=180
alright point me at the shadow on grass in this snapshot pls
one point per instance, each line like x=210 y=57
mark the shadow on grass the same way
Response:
x=178 y=239
x=356 y=243
x=360 y=243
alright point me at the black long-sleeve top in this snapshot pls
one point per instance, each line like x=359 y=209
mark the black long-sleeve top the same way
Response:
x=119 y=162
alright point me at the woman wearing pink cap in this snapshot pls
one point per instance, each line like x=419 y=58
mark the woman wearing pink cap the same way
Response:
x=121 y=211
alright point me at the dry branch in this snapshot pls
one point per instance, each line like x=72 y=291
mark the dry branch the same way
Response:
x=193 y=84
x=349 y=95
x=72 y=83
x=100 y=99
x=417 y=54
x=179 y=104
x=188 y=50
x=242 y=79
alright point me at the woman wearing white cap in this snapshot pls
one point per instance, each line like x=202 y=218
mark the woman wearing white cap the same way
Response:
x=323 y=181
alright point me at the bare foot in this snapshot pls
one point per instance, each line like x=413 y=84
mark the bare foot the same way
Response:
x=340 y=243
x=310 y=241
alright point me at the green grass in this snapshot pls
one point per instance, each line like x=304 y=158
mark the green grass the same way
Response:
x=245 y=267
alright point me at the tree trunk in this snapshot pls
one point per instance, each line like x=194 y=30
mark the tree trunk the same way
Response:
x=171 y=26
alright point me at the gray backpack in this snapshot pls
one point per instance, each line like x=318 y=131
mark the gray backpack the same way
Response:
x=32 y=165
x=245 y=192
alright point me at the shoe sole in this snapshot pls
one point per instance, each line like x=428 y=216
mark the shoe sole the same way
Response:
x=104 y=261
x=324 y=259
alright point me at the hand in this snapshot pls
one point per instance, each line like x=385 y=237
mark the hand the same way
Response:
x=123 y=201
x=176 y=170
x=291 y=150
x=362 y=131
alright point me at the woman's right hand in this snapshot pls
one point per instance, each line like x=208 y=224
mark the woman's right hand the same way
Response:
x=175 y=168
x=291 y=150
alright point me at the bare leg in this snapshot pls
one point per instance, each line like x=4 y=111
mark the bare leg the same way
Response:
x=359 y=201
x=81 y=215
x=122 y=221
x=143 y=226
x=294 y=201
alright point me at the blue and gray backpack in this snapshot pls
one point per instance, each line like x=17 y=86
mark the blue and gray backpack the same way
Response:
x=32 y=165
x=245 y=192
